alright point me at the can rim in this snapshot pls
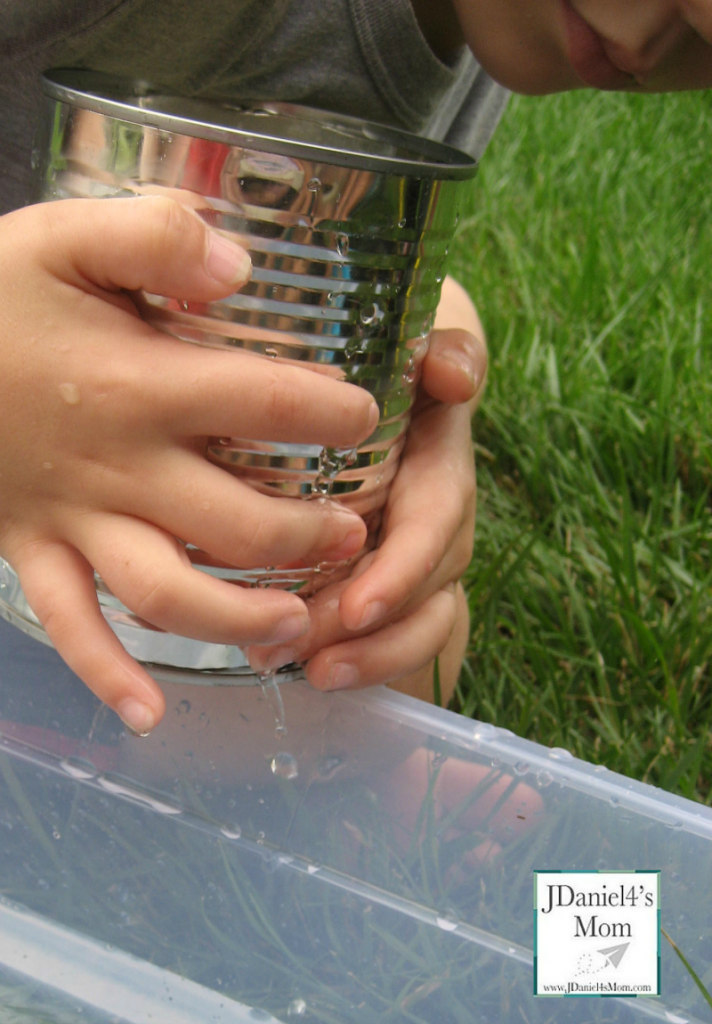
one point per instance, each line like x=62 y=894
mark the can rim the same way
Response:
x=316 y=134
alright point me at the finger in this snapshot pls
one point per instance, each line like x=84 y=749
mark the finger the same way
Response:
x=455 y=367
x=325 y=630
x=206 y=507
x=428 y=542
x=395 y=651
x=505 y=807
x=238 y=394
x=467 y=798
x=59 y=586
x=150 y=243
x=429 y=523
x=151 y=574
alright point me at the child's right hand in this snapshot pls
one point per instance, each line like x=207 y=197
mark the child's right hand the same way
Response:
x=103 y=428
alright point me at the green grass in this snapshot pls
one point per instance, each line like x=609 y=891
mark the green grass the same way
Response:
x=589 y=253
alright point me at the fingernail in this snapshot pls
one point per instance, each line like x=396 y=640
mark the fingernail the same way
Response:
x=373 y=611
x=461 y=362
x=342 y=675
x=272 y=660
x=137 y=717
x=226 y=262
x=352 y=542
x=290 y=628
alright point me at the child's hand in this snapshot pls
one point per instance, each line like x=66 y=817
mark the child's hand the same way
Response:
x=397 y=611
x=103 y=433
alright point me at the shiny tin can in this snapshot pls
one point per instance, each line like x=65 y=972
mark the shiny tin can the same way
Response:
x=348 y=225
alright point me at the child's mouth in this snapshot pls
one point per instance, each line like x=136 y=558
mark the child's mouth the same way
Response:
x=587 y=55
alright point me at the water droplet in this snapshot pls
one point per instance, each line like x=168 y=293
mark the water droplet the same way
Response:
x=70 y=393
x=342 y=243
x=560 y=754
x=355 y=346
x=371 y=315
x=183 y=707
x=521 y=768
x=448 y=922
x=224 y=442
x=320 y=488
x=409 y=371
x=117 y=787
x=484 y=731
x=402 y=222
x=600 y=768
x=56 y=834
x=271 y=352
x=78 y=768
x=447 y=250
x=544 y=779
x=184 y=305
x=614 y=801
x=313 y=869
x=673 y=824
x=329 y=463
x=439 y=760
x=297 y=1008
x=231 y=831
x=313 y=184
x=284 y=766
x=260 y=838
x=35 y=159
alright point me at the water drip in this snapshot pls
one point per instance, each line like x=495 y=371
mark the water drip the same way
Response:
x=274 y=698
x=284 y=766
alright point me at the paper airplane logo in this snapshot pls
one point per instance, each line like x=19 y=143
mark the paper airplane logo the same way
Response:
x=614 y=954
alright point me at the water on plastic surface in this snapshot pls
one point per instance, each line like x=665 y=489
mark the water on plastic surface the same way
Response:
x=388 y=878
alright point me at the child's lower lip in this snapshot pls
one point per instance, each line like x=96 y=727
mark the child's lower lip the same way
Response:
x=587 y=55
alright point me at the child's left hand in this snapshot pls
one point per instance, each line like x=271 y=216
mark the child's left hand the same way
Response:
x=398 y=609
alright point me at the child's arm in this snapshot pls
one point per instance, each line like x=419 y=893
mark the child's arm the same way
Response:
x=409 y=583
x=103 y=432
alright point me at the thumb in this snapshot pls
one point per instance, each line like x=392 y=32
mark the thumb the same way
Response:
x=455 y=367
x=150 y=242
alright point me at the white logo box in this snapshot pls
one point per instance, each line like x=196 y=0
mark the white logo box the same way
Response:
x=597 y=933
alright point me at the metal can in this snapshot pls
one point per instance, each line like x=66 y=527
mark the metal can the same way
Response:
x=348 y=225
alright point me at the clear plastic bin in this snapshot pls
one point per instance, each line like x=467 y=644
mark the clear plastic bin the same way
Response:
x=373 y=864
